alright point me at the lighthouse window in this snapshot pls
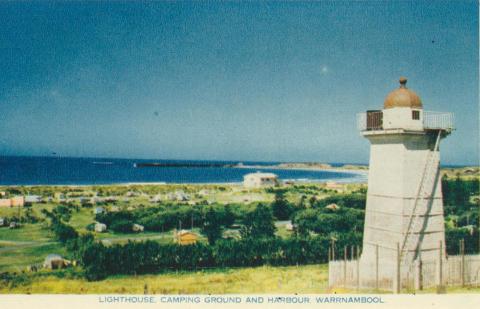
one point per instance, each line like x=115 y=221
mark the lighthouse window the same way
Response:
x=416 y=115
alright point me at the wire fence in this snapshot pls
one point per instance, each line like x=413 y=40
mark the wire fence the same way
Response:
x=387 y=275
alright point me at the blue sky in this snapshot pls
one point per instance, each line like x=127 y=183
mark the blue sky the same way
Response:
x=265 y=81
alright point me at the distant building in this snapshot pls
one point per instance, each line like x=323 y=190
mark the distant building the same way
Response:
x=178 y=196
x=137 y=227
x=156 y=198
x=258 y=180
x=184 y=237
x=98 y=210
x=290 y=227
x=55 y=261
x=16 y=201
x=110 y=199
x=59 y=196
x=100 y=227
x=232 y=234
x=332 y=185
x=332 y=207
x=13 y=225
x=132 y=194
x=114 y=209
x=33 y=199
x=2 y=221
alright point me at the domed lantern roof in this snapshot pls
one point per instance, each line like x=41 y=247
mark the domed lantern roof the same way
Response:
x=402 y=97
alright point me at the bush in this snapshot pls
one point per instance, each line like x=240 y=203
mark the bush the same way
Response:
x=282 y=209
x=453 y=236
x=63 y=232
x=99 y=261
x=121 y=226
x=259 y=223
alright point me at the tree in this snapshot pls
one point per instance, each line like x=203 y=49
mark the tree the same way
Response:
x=62 y=212
x=282 y=210
x=259 y=223
x=93 y=260
x=301 y=203
x=212 y=227
x=63 y=232
x=228 y=216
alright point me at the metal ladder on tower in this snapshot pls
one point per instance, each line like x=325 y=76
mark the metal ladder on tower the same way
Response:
x=424 y=190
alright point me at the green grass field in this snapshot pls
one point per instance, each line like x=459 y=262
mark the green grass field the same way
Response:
x=303 y=279
x=17 y=258
x=27 y=233
x=311 y=279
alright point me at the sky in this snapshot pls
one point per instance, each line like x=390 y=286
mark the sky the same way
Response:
x=250 y=81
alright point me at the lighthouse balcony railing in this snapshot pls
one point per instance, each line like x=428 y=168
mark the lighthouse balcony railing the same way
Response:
x=373 y=120
x=438 y=121
x=369 y=121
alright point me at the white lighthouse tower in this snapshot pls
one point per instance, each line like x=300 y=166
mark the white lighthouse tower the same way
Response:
x=404 y=213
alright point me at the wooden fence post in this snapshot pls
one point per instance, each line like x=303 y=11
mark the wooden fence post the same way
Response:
x=396 y=279
x=376 y=267
x=440 y=287
x=333 y=250
x=418 y=274
x=462 y=252
x=345 y=266
x=358 y=268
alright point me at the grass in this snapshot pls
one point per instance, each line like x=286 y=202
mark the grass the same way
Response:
x=16 y=259
x=310 y=279
x=26 y=233
x=303 y=279
x=81 y=219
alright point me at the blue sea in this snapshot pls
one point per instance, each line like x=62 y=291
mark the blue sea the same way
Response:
x=87 y=171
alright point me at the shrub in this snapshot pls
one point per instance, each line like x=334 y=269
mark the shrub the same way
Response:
x=121 y=226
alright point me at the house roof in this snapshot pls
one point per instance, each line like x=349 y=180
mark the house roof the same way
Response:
x=264 y=175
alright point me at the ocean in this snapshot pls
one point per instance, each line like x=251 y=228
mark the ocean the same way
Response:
x=89 y=171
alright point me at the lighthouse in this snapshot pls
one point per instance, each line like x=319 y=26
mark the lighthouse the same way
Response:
x=404 y=219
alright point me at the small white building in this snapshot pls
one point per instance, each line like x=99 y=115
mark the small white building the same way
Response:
x=2 y=221
x=59 y=196
x=332 y=206
x=100 y=227
x=137 y=227
x=33 y=199
x=156 y=198
x=98 y=210
x=178 y=196
x=14 y=225
x=290 y=226
x=258 y=180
